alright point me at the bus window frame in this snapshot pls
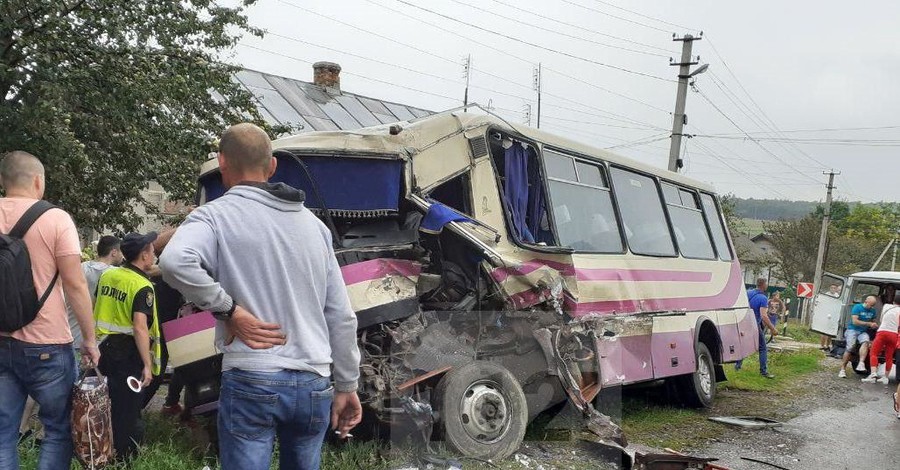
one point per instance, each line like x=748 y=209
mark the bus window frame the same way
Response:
x=657 y=180
x=723 y=222
x=699 y=202
x=507 y=217
x=576 y=157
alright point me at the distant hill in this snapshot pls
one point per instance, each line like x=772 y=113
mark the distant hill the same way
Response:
x=773 y=209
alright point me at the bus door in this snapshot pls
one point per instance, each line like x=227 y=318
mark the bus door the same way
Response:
x=828 y=305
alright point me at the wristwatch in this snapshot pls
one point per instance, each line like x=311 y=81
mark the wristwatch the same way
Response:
x=226 y=315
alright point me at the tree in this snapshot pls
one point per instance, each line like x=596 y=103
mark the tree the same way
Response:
x=112 y=94
x=797 y=242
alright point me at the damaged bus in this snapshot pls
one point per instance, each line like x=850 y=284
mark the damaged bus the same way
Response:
x=497 y=270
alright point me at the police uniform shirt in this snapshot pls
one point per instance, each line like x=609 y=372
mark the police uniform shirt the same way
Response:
x=143 y=300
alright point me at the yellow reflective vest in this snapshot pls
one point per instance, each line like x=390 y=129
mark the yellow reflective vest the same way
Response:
x=113 y=309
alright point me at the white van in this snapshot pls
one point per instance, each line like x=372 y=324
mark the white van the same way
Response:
x=837 y=295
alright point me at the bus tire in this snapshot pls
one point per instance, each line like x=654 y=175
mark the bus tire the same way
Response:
x=698 y=390
x=482 y=410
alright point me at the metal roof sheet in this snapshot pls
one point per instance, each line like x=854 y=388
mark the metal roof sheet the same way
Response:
x=287 y=101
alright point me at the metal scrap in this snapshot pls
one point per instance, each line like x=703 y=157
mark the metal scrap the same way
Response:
x=749 y=422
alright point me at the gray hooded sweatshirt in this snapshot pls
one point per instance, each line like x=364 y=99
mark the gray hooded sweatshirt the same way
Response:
x=260 y=247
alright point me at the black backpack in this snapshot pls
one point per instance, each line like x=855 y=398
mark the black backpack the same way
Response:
x=19 y=303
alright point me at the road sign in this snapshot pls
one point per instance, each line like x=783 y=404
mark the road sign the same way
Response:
x=805 y=289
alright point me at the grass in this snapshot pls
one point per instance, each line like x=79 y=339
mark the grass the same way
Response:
x=650 y=420
x=799 y=332
x=785 y=366
x=172 y=447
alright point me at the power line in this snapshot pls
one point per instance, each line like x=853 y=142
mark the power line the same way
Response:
x=848 y=142
x=644 y=141
x=824 y=129
x=592 y=85
x=489 y=46
x=752 y=139
x=390 y=64
x=582 y=28
x=542 y=28
x=593 y=123
x=646 y=16
x=535 y=45
x=385 y=82
x=738 y=171
x=607 y=115
x=604 y=13
x=747 y=93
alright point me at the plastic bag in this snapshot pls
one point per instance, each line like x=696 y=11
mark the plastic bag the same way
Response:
x=92 y=422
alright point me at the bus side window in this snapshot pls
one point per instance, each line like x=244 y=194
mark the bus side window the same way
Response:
x=716 y=226
x=582 y=204
x=642 y=213
x=687 y=223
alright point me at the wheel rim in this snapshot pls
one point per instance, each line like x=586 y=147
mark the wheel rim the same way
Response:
x=484 y=412
x=705 y=375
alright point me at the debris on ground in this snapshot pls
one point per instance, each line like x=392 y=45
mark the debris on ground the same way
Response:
x=748 y=422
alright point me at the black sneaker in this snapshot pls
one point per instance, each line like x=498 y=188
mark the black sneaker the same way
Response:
x=768 y=375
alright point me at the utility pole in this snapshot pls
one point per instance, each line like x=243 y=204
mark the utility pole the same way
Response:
x=684 y=74
x=823 y=239
x=526 y=113
x=467 y=72
x=537 y=88
x=894 y=257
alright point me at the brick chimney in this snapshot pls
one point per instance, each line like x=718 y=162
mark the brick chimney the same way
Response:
x=327 y=75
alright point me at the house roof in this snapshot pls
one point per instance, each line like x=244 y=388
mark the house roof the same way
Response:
x=309 y=107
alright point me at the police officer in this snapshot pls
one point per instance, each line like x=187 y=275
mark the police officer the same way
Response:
x=125 y=313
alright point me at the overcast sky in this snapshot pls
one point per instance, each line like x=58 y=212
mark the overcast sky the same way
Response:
x=809 y=66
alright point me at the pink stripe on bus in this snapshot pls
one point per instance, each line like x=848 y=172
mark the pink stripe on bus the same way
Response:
x=724 y=299
x=603 y=274
x=379 y=268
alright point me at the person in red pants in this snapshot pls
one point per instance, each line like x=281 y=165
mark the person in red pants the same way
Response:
x=885 y=341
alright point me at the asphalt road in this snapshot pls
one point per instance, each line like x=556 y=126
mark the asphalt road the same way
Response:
x=861 y=431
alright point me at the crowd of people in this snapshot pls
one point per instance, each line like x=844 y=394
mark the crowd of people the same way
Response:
x=860 y=342
x=285 y=325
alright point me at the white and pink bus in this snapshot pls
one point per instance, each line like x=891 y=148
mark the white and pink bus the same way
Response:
x=497 y=270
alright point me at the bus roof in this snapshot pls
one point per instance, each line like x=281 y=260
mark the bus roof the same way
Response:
x=423 y=132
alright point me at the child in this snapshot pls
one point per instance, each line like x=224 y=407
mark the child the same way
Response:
x=885 y=341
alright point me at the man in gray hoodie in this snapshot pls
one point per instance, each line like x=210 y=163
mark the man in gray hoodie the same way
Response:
x=265 y=265
x=108 y=255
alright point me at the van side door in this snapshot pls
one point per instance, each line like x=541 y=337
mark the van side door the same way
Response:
x=828 y=304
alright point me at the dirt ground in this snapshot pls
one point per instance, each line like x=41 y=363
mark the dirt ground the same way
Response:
x=837 y=424
x=818 y=416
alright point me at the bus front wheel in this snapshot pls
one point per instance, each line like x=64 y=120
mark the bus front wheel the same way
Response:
x=699 y=389
x=482 y=409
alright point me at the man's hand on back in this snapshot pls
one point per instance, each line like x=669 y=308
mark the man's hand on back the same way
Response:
x=253 y=332
x=346 y=412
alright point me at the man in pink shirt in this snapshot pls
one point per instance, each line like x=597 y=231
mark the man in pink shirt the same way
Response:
x=37 y=360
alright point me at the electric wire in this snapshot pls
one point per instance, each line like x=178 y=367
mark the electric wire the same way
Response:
x=582 y=28
x=445 y=59
x=593 y=85
x=535 y=45
x=604 y=13
x=645 y=16
x=408 y=69
x=542 y=28
x=751 y=138
x=364 y=77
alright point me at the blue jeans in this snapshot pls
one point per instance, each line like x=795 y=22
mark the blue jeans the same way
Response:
x=46 y=373
x=763 y=353
x=254 y=407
